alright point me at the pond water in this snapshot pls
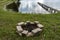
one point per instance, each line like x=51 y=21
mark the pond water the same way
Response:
x=31 y=6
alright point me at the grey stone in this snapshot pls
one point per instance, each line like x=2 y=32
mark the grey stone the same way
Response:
x=19 y=28
x=20 y=23
x=25 y=32
x=40 y=25
x=29 y=34
x=36 y=30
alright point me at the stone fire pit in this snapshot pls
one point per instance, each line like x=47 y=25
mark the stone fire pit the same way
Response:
x=29 y=28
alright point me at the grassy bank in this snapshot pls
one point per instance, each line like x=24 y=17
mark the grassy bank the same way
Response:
x=9 y=20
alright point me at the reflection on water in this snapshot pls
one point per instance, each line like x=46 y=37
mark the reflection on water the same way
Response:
x=31 y=6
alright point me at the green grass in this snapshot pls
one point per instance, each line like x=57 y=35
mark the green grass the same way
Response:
x=9 y=20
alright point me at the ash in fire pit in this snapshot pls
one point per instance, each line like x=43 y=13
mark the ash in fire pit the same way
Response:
x=29 y=28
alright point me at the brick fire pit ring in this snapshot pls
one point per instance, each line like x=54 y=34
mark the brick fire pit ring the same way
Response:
x=29 y=28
